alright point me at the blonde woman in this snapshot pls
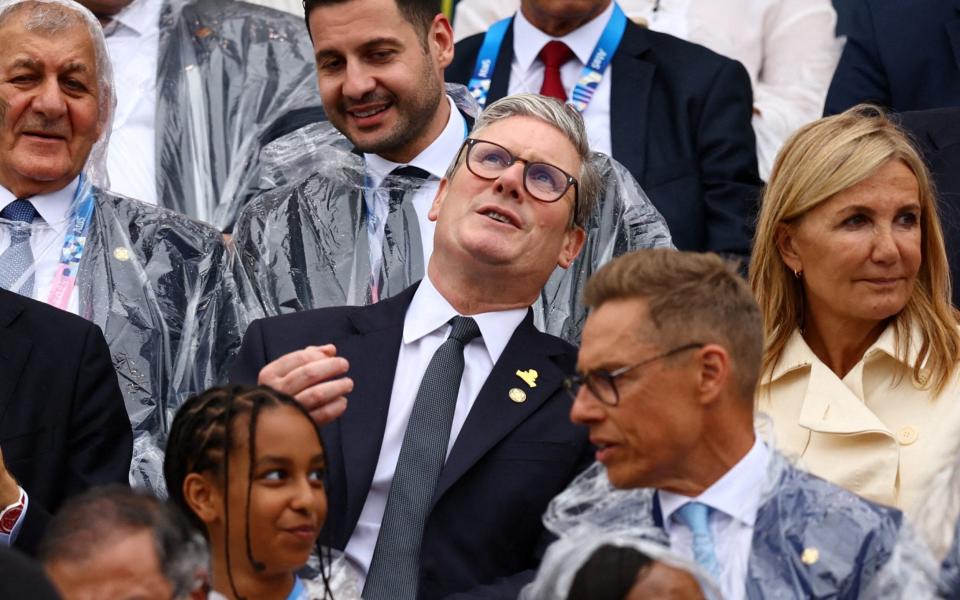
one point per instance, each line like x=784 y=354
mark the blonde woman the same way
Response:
x=860 y=361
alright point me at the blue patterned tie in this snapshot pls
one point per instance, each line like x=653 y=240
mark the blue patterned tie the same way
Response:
x=18 y=257
x=696 y=516
x=395 y=568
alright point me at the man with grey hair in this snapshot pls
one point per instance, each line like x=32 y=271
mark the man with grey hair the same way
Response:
x=456 y=434
x=154 y=281
x=112 y=542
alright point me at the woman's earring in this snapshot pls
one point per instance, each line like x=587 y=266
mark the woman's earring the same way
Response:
x=798 y=273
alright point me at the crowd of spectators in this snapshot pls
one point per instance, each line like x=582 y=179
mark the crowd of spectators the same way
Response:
x=342 y=299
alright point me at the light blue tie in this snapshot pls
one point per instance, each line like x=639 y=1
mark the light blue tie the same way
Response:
x=696 y=516
x=18 y=257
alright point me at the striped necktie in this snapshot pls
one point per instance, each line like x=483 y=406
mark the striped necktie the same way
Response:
x=17 y=259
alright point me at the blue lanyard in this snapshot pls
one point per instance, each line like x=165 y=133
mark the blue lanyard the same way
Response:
x=73 y=244
x=590 y=77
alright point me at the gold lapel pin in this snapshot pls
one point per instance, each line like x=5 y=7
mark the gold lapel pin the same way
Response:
x=810 y=556
x=529 y=377
x=120 y=253
x=517 y=395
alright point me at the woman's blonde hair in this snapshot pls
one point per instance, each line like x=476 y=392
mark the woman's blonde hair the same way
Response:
x=820 y=160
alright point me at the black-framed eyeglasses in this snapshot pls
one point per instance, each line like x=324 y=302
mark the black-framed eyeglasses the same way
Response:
x=603 y=384
x=543 y=181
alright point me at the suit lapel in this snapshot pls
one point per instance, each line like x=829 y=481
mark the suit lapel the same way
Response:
x=953 y=32
x=372 y=352
x=494 y=415
x=14 y=349
x=500 y=83
x=630 y=84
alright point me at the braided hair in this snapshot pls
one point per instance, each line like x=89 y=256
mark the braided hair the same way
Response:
x=200 y=441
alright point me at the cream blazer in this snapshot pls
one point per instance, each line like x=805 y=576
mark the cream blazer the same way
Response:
x=877 y=431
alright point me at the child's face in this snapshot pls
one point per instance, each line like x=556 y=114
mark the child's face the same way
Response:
x=287 y=502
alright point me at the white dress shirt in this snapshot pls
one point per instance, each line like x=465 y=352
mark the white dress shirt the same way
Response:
x=787 y=46
x=434 y=159
x=526 y=70
x=425 y=327
x=46 y=237
x=291 y=6
x=735 y=499
x=133 y=43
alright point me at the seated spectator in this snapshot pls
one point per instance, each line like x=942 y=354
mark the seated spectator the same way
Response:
x=63 y=427
x=246 y=465
x=666 y=376
x=860 y=369
x=899 y=55
x=153 y=280
x=202 y=86
x=456 y=435
x=675 y=114
x=787 y=46
x=23 y=578
x=112 y=542
x=349 y=223
x=937 y=135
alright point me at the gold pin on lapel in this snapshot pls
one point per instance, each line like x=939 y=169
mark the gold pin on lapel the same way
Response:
x=529 y=377
x=517 y=395
x=810 y=556
x=120 y=253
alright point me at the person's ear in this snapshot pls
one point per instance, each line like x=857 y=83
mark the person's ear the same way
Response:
x=434 y=212
x=572 y=244
x=203 y=497
x=441 y=41
x=786 y=241
x=715 y=371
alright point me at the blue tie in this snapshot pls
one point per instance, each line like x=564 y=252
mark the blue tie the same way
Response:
x=18 y=257
x=696 y=516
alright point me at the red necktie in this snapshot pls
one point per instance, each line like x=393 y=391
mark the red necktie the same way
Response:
x=554 y=55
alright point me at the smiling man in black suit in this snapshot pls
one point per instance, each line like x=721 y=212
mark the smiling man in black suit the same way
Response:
x=456 y=436
x=63 y=425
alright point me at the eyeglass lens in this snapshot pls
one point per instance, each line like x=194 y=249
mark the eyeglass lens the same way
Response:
x=543 y=181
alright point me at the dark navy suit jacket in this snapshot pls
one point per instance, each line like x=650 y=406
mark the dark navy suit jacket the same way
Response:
x=63 y=425
x=937 y=133
x=484 y=536
x=680 y=117
x=903 y=55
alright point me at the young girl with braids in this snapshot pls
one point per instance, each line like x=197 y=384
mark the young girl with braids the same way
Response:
x=246 y=465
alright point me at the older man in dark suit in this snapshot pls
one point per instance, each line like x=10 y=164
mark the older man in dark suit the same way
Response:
x=63 y=427
x=677 y=115
x=455 y=437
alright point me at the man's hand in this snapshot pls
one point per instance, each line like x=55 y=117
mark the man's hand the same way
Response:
x=9 y=490
x=315 y=377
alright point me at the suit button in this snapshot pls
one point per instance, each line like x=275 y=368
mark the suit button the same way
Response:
x=907 y=436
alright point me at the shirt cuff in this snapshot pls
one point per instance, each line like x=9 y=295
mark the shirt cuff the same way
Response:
x=7 y=539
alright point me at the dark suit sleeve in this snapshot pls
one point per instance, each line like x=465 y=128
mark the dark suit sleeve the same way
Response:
x=728 y=161
x=101 y=439
x=252 y=357
x=860 y=75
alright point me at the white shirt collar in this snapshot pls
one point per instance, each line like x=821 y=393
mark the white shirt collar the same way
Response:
x=736 y=494
x=52 y=208
x=429 y=311
x=434 y=159
x=141 y=17
x=528 y=40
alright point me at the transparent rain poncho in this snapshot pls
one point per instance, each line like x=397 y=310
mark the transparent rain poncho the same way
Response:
x=231 y=77
x=304 y=245
x=937 y=518
x=811 y=540
x=157 y=283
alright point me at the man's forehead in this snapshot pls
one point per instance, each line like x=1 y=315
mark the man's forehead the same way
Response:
x=70 y=49
x=530 y=138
